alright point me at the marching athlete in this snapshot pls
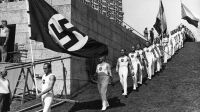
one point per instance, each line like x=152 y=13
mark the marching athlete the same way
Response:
x=104 y=74
x=48 y=81
x=149 y=60
x=135 y=67
x=159 y=56
x=140 y=57
x=123 y=63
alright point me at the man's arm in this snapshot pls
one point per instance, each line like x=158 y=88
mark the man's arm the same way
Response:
x=109 y=70
x=7 y=36
x=130 y=64
x=51 y=84
x=145 y=58
x=117 y=66
x=97 y=69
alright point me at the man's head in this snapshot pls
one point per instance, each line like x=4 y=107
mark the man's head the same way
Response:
x=101 y=59
x=4 y=22
x=3 y=72
x=138 y=46
x=47 y=68
x=122 y=51
x=147 y=43
x=133 y=48
x=152 y=29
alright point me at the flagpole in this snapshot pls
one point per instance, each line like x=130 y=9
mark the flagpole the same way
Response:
x=29 y=35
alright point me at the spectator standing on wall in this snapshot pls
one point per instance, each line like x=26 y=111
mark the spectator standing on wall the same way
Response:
x=4 y=36
x=146 y=33
x=151 y=35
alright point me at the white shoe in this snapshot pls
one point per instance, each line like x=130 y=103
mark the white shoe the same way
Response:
x=124 y=94
x=105 y=107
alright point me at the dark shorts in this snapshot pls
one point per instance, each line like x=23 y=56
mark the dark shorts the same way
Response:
x=2 y=40
x=4 y=102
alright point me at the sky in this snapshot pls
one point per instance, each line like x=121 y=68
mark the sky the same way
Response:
x=142 y=13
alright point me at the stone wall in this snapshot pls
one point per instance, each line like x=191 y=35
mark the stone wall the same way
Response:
x=102 y=29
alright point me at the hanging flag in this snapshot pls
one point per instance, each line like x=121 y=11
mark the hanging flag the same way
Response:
x=161 y=24
x=58 y=34
x=188 y=16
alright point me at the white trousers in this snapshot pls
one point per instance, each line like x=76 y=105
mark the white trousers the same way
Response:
x=123 y=74
x=150 y=67
x=166 y=54
x=135 y=64
x=47 y=100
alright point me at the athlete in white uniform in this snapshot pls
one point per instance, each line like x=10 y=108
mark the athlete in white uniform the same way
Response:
x=123 y=63
x=104 y=74
x=140 y=57
x=173 y=44
x=156 y=57
x=135 y=67
x=166 y=49
x=170 y=46
x=149 y=63
x=48 y=81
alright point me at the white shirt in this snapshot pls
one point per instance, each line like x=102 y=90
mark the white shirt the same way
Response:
x=45 y=82
x=103 y=67
x=4 y=86
x=133 y=56
x=123 y=61
x=4 y=32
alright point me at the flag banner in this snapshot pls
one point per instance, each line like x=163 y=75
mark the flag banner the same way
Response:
x=188 y=16
x=58 y=34
x=161 y=24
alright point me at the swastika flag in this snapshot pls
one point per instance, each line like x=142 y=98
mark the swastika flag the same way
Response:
x=58 y=34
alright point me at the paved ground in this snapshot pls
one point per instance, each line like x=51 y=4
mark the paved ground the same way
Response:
x=175 y=89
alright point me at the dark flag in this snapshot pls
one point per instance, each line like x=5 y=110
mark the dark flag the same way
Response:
x=161 y=24
x=58 y=34
x=188 y=16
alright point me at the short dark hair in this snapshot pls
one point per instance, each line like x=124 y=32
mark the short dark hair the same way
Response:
x=123 y=50
x=48 y=64
x=4 y=21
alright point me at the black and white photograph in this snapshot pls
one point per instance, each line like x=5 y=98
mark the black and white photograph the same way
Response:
x=99 y=55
